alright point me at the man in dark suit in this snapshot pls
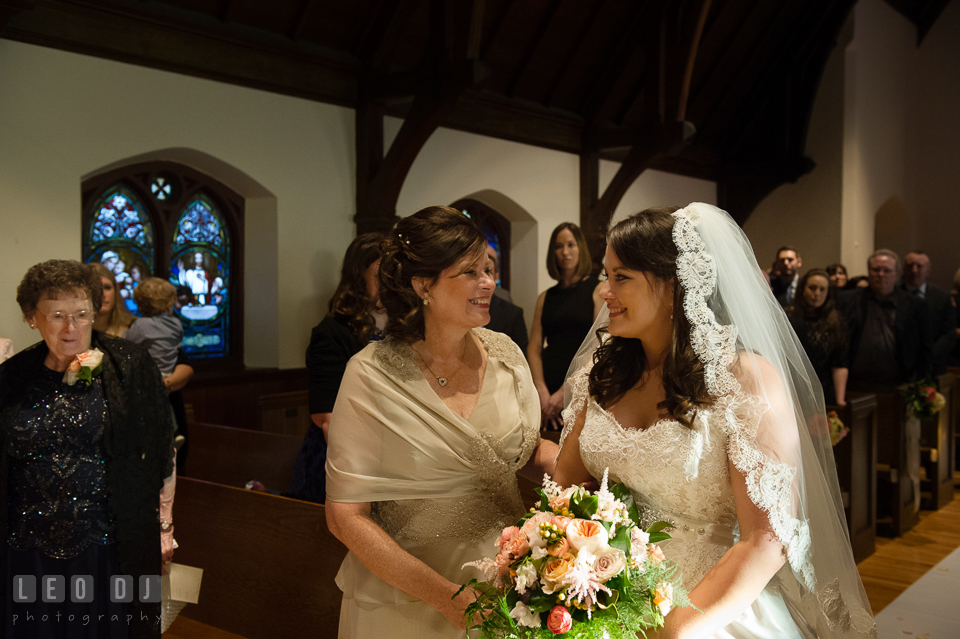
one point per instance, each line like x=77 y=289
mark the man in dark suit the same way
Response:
x=505 y=317
x=785 y=275
x=887 y=329
x=941 y=308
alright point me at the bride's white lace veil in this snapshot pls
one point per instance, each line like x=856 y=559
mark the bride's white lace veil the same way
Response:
x=771 y=405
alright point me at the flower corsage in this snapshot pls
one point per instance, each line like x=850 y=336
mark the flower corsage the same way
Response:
x=84 y=367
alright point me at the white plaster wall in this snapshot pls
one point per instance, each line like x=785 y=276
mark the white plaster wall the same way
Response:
x=64 y=115
x=934 y=146
x=806 y=214
x=877 y=107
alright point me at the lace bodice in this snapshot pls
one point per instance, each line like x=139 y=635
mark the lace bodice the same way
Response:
x=675 y=473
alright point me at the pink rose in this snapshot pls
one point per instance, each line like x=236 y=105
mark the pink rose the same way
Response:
x=560 y=548
x=508 y=533
x=531 y=527
x=91 y=359
x=559 y=621
x=503 y=561
x=562 y=501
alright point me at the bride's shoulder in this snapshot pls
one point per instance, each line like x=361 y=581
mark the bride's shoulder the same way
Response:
x=757 y=376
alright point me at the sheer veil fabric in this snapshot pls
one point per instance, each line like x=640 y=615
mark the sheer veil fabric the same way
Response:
x=772 y=410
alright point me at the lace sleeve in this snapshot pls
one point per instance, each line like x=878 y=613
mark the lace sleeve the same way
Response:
x=579 y=384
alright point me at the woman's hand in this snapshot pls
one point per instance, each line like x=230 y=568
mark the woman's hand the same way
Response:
x=456 y=606
x=167 y=546
x=551 y=412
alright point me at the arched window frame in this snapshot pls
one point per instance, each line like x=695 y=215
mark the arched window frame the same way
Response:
x=184 y=183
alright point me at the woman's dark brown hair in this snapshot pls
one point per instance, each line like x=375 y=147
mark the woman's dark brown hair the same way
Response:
x=584 y=266
x=351 y=300
x=422 y=245
x=644 y=242
x=54 y=278
x=827 y=317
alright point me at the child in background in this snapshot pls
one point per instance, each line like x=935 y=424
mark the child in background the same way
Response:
x=159 y=330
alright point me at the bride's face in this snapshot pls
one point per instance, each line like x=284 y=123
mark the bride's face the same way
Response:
x=640 y=304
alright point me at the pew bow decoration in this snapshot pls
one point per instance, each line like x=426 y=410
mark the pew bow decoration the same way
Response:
x=923 y=399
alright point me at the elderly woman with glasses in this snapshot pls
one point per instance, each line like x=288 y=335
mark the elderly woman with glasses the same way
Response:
x=86 y=468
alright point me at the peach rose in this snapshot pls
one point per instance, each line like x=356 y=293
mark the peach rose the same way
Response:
x=663 y=597
x=531 y=527
x=655 y=553
x=503 y=561
x=91 y=359
x=554 y=570
x=587 y=535
x=560 y=548
x=559 y=620
x=518 y=546
x=508 y=533
x=562 y=500
x=75 y=365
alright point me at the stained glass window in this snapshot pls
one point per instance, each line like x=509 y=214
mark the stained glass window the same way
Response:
x=120 y=236
x=200 y=268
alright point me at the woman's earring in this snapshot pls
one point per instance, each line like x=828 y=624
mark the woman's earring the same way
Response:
x=425 y=301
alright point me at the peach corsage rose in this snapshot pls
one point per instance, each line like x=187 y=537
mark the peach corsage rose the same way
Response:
x=84 y=367
x=587 y=535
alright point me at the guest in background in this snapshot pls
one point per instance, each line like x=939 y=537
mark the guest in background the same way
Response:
x=159 y=330
x=785 y=275
x=6 y=349
x=505 y=317
x=954 y=358
x=113 y=318
x=822 y=333
x=838 y=275
x=83 y=463
x=941 y=308
x=887 y=330
x=562 y=318
x=354 y=318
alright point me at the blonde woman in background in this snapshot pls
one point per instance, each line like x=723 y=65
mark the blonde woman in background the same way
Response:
x=113 y=319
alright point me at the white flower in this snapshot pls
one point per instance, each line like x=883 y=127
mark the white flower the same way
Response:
x=526 y=577
x=586 y=535
x=609 y=508
x=638 y=547
x=487 y=566
x=91 y=359
x=524 y=616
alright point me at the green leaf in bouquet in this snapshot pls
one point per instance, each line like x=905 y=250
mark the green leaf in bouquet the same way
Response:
x=621 y=540
x=544 y=500
x=584 y=505
x=658 y=526
x=540 y=602
x=657 y=537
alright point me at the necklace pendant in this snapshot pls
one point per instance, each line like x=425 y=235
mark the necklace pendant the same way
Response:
x=442 y=381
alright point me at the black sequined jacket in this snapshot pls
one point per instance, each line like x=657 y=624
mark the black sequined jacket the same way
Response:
x=138 y=444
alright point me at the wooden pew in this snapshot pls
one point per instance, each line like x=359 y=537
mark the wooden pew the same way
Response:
x=856 y=458
x=234 y=456
x=938 y=450
x=269 y=563
x=898 y=467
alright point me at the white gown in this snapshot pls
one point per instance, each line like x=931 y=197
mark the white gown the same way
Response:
x=680 y=475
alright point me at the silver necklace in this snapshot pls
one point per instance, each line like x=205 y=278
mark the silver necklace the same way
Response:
x=443 y=380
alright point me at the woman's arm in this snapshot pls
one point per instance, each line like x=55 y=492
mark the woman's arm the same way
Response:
x=323 y=421
x=737 y=579
x=352 y=524
x=534 y=349
x=542 y=461
x=167 y=543
x=570 y=469
x=178 y=378
x=840 y=385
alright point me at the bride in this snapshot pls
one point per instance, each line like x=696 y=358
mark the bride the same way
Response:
x=697 y=396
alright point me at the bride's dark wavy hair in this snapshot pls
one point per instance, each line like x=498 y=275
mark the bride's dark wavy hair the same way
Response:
x=644 y=242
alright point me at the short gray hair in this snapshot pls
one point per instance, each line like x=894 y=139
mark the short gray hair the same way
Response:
x=885 y=253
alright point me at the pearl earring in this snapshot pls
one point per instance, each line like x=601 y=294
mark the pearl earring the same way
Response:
x=426 y=301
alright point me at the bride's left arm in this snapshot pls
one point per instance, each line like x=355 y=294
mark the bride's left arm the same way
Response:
x=737 y=579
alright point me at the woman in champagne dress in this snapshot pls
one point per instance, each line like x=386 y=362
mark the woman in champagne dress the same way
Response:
x=428 y=433
x=697 y=396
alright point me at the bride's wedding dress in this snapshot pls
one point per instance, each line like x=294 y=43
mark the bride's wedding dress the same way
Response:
x=680 y=475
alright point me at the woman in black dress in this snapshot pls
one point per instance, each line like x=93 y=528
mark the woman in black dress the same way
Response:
x=354 y=319
x=822 y=332
x=86 y=466
x=563 y=316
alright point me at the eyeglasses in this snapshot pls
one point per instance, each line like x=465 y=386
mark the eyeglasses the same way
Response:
x=59 y=319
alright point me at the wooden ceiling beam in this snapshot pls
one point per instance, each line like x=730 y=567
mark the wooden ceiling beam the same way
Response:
x=385 y=32
x=574 y=50
x=494 y=32
x=296 y=29
x=10 y=8
x=531 y=50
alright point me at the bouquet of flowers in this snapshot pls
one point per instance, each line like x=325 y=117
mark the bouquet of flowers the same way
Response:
x=837 y=429
x=922 y=398
x=582 y=559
